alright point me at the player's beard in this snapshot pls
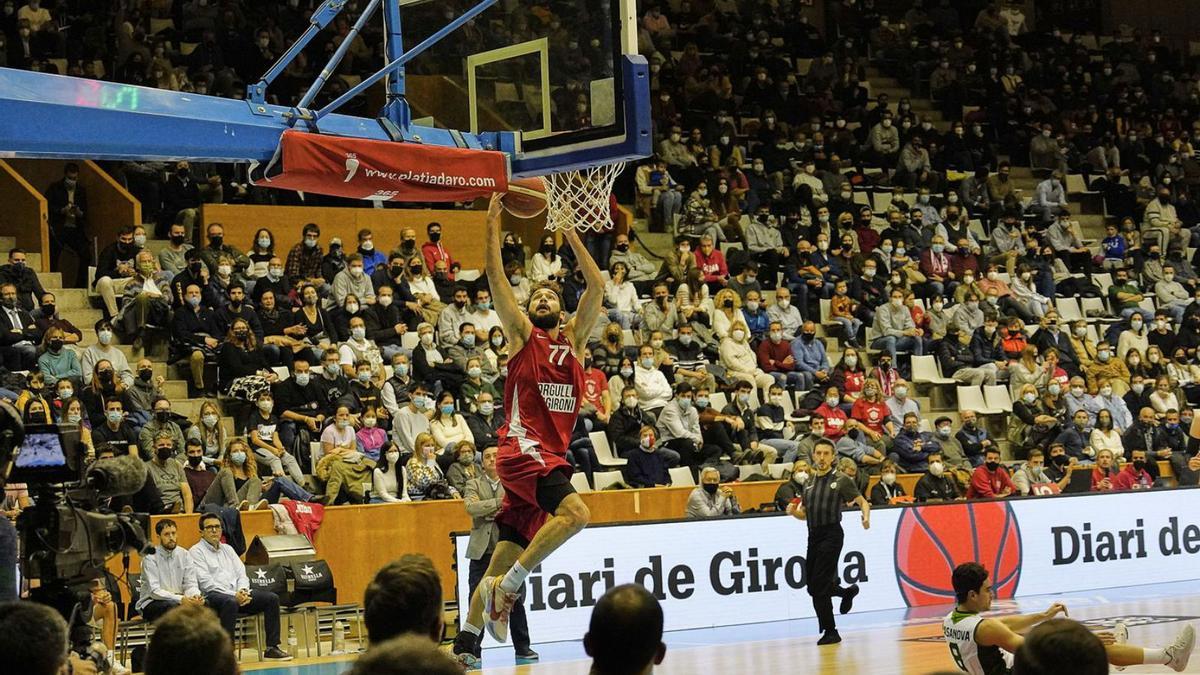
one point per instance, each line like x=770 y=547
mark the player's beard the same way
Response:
x=549 y=321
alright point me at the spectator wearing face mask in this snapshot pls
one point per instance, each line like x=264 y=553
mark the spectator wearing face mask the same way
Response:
x=1125 y=296
x=464 y=469
x=387 y=479
x=646 y=467
x=888 y=488
x=1134 y=475
x=797 y=478
x=653 y=389
x=710 y=499
x=937 y=483
x=991 y=479
x=105 y=349
x=242 y=367
x=161 y=422
x=434 y=251
x=1170 y=295
x=739 y=360
x=303 y=265
x=1136 y=337
x=1105 y=367
x=263 y=429
x=1033 y=473
x=912 y=446
x=353 y=280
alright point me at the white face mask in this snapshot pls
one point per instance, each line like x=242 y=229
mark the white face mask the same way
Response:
x=393 y=457
x=852 y=361
x=801 y=477
x=936 y=468
x=631 y=401
x=889 y=479
x=427 y=339
x=784 y=303
x=738 y=335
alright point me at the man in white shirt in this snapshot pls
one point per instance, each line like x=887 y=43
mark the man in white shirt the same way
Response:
x=787 y=315
x=413 y=418
x=654 y=392
x=481 y=313
x=221 y=577
x=168 y=578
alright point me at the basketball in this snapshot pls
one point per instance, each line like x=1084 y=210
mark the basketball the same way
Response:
x=930 y=542
x=526 y=197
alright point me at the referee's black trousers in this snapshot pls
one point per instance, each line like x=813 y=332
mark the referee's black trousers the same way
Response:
x=824 y=552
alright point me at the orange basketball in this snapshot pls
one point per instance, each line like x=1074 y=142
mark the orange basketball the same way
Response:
x=932 y=540
x=526 y=197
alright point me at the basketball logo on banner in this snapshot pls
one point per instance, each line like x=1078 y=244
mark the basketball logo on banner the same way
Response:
x=932 y=541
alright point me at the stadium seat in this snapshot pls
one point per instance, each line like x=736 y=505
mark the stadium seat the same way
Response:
x=971 y=398
x=604 y=451
x=997 y=396
x=717 y=400
x=1068 y=309
x=467 y=275
x=925 y=371
x=606 y=478
x=747 y=470
x=580 y=483
x=410 y=340
x=777 y=470
x=681 y=476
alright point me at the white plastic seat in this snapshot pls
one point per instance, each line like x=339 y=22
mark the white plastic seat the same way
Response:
x=971 y=398
x=467 y=275
x=776 y=470
x=1068 y=309
x=717 y=400
x=410 y=340
x=997 y=396
x=604 y=451
x=580 y=483
x=606 y=478
x=925 y=370
x=681 y=476
x=747 y=470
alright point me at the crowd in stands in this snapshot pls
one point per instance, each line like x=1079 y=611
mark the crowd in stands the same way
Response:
x=863 y=233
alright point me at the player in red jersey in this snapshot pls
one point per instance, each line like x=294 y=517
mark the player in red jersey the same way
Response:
x=542 y=394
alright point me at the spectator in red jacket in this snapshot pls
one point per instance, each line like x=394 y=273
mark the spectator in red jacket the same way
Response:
x=712 y=265
x=1134 y=476
x=990 y=479
x=433 y=251
x=775 y=358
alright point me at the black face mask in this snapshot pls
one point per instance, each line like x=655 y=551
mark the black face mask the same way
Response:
x=809 y=337
x=145 y=375
x=415 y=270
x=710 y=488
x=397 y=270
x=216 y=241
x=435 y=237
x=56 y=345
x=622 y=247
x=992 y=466
x=48 y=309
x=241 y=334
x=105 y=375
x=410 y=243
x=1139 y=464
x=177 y=239
x=194 y=269
x=1060 y=460
x=194 y=460
x=163 y=454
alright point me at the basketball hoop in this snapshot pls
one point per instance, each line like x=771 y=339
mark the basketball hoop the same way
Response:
x=579 y=199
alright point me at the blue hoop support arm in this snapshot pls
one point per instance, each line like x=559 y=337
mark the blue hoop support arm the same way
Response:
x=321 y=17
x=336 y=59
x=399 y=63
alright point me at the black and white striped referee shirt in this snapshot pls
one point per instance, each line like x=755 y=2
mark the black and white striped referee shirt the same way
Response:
x=823 y=497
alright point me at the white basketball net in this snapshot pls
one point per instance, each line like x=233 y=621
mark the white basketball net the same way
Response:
x=579 y=199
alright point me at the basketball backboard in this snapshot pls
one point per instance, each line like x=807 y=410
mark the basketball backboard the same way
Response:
x=563 y=75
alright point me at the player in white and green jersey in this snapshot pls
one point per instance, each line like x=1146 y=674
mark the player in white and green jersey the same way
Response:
x=985 y=646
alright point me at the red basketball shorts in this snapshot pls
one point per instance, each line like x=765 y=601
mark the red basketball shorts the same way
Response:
x=519 y=474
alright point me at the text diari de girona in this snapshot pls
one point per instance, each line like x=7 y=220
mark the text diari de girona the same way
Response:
x=1084 y=545
x=728 y=573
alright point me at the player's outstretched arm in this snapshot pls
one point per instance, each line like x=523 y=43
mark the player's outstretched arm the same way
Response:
x=591 y=303
x=1021 y=623
x=513 y=320
x=994 y=633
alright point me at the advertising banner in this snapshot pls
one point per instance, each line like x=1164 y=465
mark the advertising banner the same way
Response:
x=382 y=170
x=751 y=569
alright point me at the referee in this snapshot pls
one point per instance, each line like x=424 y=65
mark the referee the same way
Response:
x=820 y=503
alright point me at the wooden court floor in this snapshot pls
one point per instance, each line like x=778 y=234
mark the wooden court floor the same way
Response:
x=875 y=642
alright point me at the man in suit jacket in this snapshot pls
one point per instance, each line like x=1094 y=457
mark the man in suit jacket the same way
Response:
x=67 y=208
x=19 y=333
x=483 y=497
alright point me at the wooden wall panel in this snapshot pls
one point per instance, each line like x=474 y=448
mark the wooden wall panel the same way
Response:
x=25 y=214
x=462 y=231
